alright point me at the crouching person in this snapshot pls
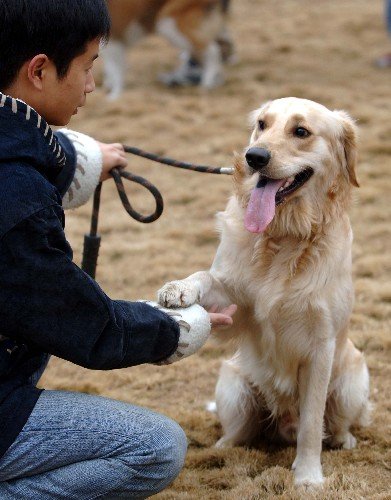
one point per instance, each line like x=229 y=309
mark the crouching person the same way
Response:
x=58 y=444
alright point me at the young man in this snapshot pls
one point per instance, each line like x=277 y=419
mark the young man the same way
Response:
x=57 y=444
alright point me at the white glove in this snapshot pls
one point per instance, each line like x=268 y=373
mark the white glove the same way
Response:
x=194 y=326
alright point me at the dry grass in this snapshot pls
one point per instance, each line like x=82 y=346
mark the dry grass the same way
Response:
x=318 y=50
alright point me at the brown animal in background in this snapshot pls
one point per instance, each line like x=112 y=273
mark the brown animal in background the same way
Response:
x=197 y=27
x=285 y=260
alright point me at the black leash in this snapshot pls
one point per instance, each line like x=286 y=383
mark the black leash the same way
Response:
x=178 y=164
x=92 y=240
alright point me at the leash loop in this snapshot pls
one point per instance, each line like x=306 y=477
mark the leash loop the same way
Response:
x=117 y=174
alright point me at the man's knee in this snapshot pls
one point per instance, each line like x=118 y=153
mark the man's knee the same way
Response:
x=170 y=446
x=158 y=461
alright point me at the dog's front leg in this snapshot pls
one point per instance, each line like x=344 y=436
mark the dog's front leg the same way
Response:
x=314 y=377
x=201 y=288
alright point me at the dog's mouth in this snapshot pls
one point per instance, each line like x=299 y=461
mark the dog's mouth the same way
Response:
x=269 y=193
x=292 y=184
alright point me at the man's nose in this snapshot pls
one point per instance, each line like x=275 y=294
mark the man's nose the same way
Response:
x=257 y=158
x=90 y=85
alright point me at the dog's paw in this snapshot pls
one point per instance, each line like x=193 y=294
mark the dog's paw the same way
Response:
x=349 y=441
x=177 y=294
x=211 y=407
x=189 y=73
x=210 y=83
x=307 y=473
x=287 y=428
x=223 y=443
x=346 y=441
x=175 y=80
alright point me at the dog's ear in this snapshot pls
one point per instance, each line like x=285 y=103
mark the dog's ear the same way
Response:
x=253 y=116
x=349 y=141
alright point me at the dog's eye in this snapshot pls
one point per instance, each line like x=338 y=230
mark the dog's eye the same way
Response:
x=301 y=132
x=261 y=125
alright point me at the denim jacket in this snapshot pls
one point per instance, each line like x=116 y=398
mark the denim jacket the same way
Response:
x=47 y=303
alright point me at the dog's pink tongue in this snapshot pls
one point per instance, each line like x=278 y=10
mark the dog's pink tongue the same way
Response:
x=262 y=205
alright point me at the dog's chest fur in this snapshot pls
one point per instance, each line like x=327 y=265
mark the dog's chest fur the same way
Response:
x=284 y=280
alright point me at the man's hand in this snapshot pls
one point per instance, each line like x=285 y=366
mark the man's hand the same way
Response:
x=113 y=155
x=222 y=317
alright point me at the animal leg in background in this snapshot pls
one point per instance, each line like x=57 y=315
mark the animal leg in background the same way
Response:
x=190 y=71
x=194 y=32
x=224 y=38
x=114 y=68
x=115 y=65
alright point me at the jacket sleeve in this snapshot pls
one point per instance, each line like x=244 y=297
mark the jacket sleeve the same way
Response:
x=84 y=155
x=49 y=303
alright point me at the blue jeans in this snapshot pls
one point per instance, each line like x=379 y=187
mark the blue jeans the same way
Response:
x=78 y=446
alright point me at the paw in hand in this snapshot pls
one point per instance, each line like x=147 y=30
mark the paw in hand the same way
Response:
x=177 y=294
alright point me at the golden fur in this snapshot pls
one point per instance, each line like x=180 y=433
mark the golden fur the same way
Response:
x=295 y=374
x=188 y=13
x=196 y=27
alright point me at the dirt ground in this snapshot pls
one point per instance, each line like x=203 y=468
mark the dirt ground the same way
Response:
x=321 y=50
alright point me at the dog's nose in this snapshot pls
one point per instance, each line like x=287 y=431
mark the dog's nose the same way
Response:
x=258 y=158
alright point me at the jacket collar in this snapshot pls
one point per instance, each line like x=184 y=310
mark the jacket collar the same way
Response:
x=26 y=136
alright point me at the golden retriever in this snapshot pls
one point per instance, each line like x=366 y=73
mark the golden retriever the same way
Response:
x=285 y=260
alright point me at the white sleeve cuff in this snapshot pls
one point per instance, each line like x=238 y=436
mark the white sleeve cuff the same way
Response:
x=88 y=169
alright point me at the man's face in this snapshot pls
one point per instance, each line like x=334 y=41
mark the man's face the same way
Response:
x=64 y=96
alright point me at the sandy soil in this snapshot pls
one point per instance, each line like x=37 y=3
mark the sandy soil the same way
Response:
x=319 y=50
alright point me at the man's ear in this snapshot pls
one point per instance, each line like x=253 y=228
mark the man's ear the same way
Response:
x=36 y=68
x=349 y=141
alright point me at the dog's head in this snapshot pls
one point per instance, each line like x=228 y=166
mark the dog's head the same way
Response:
x=300 y=162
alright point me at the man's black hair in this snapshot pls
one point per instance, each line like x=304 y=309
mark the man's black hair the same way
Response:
x=61 y=29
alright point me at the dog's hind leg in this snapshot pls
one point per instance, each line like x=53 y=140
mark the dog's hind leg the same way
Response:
x=212 y=75
x=224 y=38
x=348 y=402
x=186 y=73
x=194 y=30
x=227 y=47
x=114 y=68
x=237 y=407
x=114 y=57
